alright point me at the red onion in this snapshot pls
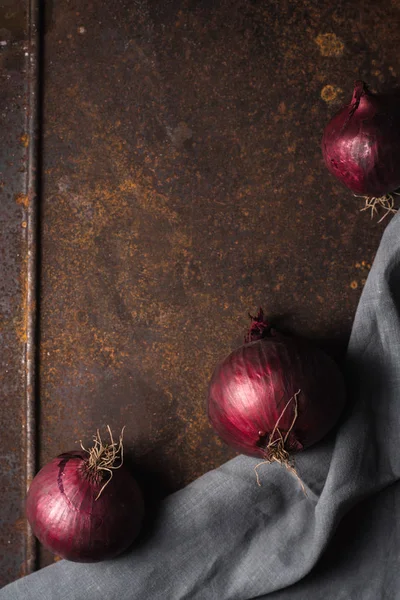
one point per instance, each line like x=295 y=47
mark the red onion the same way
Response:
x=361 y=144
x=274 y=395
x=85 y=505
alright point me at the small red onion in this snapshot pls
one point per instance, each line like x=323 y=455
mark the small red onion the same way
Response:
x=274 y=395
x=361 y=143
x=85 y=506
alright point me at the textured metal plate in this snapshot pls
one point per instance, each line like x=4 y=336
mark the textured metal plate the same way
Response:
x=183 y=186
x=18 y=243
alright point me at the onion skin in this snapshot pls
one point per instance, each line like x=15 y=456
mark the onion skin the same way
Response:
x=65 y=516
x=251 y=387
x=361 y=143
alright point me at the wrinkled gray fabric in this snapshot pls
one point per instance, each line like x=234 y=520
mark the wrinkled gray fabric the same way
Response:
x=225 y=538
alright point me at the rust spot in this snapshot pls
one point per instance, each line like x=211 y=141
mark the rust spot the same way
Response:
x=329 y=44
x=24 y=224
x=354 y=285
x=21 y=326
x=148 y=199
x=329 y=93
x=282 y=108
x=309 y=180
x=20 y=524
x=22 y=199
x=24 y=139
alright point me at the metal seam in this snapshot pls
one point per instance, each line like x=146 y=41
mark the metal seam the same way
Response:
x=32 y=124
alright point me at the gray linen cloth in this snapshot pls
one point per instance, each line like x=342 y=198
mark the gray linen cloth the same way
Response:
x=225 y=538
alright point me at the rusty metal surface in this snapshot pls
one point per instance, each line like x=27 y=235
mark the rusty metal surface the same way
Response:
x=184 y=187
x=18 y=244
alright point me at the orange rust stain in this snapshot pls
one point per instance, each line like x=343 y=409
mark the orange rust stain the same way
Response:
x=149 y=200
x=24 y=139
x=22 y=200
x=20 y=524
x=329 y=44
x=24 y=224
x=21 y=325
x=106 y=348
x=329 y=93
x=363 y=265
x=354 y=285
x=282 y=108
x=309 y=179
x=133 y=198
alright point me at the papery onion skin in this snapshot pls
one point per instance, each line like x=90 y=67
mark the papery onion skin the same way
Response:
x=361 y=143
x=65 y=516
x=251 y=387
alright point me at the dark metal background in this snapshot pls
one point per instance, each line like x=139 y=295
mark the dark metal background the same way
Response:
x=183 y=186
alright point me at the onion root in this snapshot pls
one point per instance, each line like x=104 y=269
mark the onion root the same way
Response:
x=385 y=202
x=275 y=450
x=102 y=457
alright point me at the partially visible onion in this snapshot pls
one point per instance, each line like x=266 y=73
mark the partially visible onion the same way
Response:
x=84 y=505
x=361 y=143
x=274 y=395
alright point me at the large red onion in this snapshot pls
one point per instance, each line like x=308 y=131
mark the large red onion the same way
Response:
x=85 y=505
x=361 y=143
x=274 y=395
